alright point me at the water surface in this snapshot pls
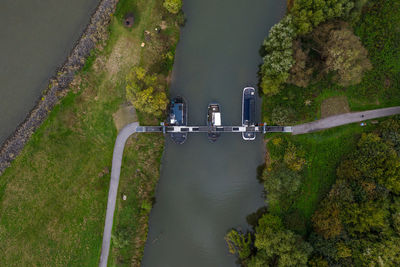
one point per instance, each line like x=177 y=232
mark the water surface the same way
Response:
x=36 y=37
x=205 y=189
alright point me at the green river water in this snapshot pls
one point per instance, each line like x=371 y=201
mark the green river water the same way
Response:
x=205 y=189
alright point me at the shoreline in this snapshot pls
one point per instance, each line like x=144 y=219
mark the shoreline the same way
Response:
x=94 y=33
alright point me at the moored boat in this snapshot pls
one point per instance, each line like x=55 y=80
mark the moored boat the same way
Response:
x=248 y=111
x=178 y=117
x=213 y=120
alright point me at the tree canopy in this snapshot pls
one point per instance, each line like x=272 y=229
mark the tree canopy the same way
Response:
x=279 y=56
x=142 y=92
x=278 y=246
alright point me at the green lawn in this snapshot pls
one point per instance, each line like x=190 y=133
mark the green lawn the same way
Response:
x=53 y=197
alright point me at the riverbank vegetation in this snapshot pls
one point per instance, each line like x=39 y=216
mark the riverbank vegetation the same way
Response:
x=332 y=195
x=340 y=208
x=54 y=195
x=354 y=55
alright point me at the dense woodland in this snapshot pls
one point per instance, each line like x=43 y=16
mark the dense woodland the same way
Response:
x=323 y=48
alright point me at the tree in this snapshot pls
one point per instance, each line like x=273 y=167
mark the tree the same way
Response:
x=346 y=55
x=395 y=211
x=278 y=246
x=326 y=220
x=366 y=217
x=300 y=73
x=279 y=56
x=281 y=184
x=390 y=132
x=376 y=160
x=141 y=93
x=239 y=243
x=308 y=14
x=379 y=253
x=173 y=6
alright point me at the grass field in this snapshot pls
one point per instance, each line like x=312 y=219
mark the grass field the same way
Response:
x=53 y=197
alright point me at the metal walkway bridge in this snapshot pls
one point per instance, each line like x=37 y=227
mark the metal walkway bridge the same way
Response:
x=260 y=128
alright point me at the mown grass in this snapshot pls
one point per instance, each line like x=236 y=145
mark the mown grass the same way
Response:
x=53 y=197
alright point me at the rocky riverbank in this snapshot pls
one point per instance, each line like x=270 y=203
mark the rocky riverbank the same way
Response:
x=94 y=35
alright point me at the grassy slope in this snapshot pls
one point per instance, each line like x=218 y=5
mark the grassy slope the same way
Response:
x=379 y=30
x=53 y=197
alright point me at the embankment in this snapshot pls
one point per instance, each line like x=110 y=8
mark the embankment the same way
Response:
x=94 y=34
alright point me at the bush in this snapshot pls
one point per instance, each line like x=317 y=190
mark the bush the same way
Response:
x=294 y=158
x=282 y=115
x=173 y=6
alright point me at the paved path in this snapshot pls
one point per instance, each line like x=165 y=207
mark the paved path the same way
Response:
x=130 y=129
x=123 y=135
x=343 y=119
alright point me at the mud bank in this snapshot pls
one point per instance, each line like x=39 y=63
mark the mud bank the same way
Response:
x=94 y=35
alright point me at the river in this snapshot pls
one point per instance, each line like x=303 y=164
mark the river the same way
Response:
x=205 y=189
x=36 y=38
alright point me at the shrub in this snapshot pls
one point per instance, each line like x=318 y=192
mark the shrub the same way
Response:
x=173 y=6
x=282 y=115
x=294 y=158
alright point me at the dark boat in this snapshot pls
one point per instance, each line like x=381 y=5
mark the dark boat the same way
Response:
x=213 y=120
x=249 y=111
x=178 y=117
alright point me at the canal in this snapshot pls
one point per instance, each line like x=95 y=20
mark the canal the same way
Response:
x=36 y=38
x=205 y=189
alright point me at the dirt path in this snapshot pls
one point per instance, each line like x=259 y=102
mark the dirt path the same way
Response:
x=343 y=119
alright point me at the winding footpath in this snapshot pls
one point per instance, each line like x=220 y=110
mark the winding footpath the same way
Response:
x=123 y=135
x=130 y=129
